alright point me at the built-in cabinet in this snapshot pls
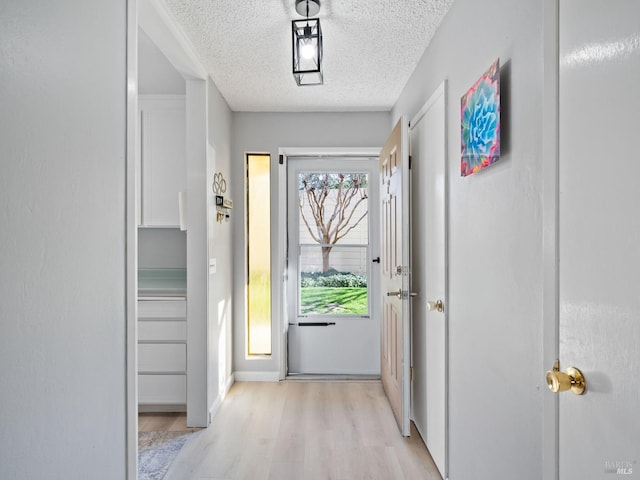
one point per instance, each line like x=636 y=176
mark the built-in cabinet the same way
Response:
x=162 y=320
x=162 y=165
x=162 y=353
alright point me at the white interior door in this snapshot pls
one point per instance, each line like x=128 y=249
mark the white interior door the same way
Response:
x=429 y=388
x=599 y=236
x=395 y=273
x=333 y=320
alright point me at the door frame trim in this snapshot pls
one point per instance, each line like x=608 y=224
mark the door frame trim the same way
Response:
x=131 y=252
x=279 y=262
x=550 y=230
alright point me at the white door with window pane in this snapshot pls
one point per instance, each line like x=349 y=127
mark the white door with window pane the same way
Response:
x=334 y=326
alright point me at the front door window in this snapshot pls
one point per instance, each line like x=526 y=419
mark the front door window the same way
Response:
x=333 y=243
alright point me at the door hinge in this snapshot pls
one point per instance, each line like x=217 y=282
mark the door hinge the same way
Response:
x=281 y=159
x=411 y=374
x=410 y=162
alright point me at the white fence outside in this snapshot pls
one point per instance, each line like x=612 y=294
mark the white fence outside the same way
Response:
x=351 y=252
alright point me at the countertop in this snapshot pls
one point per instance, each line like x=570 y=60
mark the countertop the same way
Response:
x=162 y=282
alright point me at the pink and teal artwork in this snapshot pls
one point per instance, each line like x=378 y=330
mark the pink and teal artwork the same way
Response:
x=480 y=122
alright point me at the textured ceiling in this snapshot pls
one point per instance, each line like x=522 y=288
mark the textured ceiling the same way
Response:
x=370 y=50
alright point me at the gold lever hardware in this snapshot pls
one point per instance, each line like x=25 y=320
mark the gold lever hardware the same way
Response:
x=437 y=305
x=572 y=379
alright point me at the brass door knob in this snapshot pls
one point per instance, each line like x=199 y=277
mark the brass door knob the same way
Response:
x=572 y=379
x=397 y=293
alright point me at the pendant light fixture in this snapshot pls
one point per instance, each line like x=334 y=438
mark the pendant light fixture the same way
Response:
x=307 y=44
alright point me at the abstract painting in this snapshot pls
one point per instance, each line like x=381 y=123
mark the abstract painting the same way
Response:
x=480 y=122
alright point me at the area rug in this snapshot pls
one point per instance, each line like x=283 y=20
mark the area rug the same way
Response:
x=156 y=452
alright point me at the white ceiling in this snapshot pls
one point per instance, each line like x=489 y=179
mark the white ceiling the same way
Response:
x=371 y=47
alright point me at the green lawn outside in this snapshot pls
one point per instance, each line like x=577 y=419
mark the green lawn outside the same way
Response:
x=333 y=301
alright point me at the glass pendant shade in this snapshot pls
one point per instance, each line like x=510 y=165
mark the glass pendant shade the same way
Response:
x=307 y=51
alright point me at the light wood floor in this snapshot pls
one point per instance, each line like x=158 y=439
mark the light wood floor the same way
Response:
x=304 y=430
x=164 y=422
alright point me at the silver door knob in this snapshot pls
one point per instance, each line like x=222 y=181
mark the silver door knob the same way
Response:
x=437 y=305
x=397 y=293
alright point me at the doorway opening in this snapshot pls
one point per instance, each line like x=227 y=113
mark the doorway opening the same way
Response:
x=332 y=260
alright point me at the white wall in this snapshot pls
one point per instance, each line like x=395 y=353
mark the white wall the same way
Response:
x=162 y=248
x=62 y=239
x=220 y=247
x=495 y=240
x=266 y=133
x=198 y=375
x=156 y=75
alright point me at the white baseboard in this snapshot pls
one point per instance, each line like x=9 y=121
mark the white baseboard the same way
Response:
x=257 y=376
x=215 y=406
x=230 y=381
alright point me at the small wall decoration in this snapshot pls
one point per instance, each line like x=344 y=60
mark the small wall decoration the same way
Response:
x=480 y=122
x=219 y=185
x=223 y=205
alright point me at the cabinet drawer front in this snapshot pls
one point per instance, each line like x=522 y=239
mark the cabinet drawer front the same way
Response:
x=158 y=389
x=166 y=330
x=162 y=358
x=162 y=308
